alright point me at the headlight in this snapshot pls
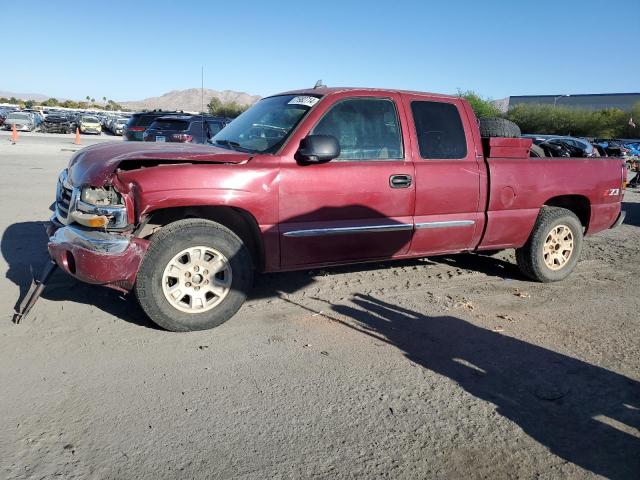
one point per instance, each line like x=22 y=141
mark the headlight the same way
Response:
x=100 y=196
x=101 y=208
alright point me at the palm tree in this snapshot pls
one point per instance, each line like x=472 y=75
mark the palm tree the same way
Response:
x=104 y=99
x=88 y=98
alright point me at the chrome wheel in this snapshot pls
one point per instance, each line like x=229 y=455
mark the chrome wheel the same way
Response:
x=558 y=247
x=197 y=279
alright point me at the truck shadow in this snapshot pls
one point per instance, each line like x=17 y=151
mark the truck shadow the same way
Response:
x=582 y=413
x=633 y=213
x=24 y=248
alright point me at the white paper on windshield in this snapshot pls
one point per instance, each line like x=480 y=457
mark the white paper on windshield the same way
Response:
x=304 y=100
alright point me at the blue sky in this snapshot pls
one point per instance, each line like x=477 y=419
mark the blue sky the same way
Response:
x=137 y=49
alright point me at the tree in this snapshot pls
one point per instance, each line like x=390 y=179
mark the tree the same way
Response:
x=29 y=104
x=229 y=109
x=547 y=119
x=214 y=105
x=93 y=100
x=481 y=107
x=104 y=99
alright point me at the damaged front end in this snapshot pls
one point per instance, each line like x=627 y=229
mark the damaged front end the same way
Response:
x=91 y=238
x=90 y=235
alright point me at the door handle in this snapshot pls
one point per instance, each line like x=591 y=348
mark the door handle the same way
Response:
x=400 y=181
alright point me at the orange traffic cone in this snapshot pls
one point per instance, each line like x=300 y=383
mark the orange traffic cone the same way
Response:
x=14 y=134
x=77 y=142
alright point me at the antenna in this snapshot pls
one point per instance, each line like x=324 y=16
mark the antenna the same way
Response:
x=319 y=84
x=202 y=98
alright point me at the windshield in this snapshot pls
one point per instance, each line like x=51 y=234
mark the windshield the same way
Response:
x=265 y=126
x=18 y=116
x=90 y=120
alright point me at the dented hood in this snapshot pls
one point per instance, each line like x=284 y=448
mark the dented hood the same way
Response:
x=95 y=164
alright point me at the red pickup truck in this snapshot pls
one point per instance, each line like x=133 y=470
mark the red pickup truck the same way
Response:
x=319 y=177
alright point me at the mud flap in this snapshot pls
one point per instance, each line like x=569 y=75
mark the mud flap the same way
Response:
x=35 y=290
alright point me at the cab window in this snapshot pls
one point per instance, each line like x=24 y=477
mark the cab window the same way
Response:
x=439 y=130
x=366 y=129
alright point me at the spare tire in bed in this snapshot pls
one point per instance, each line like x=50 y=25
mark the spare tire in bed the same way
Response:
x=498 y=127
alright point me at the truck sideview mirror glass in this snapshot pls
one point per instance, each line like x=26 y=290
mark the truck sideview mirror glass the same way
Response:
x=318 y=149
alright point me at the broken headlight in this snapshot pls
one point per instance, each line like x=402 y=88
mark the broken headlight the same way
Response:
x=101 y=208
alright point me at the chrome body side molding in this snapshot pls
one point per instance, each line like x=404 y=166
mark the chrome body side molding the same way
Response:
x=347 y=230
x=451 y=223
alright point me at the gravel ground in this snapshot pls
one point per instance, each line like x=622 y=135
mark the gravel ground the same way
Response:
x=451 y=367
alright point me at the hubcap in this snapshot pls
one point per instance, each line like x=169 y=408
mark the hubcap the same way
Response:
x=558 y=247
x=197 y=279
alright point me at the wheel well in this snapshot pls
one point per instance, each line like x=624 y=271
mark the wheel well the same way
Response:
x=576 y=203
x=239 y=221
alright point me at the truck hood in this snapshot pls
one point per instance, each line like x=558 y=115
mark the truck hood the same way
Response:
x=95 y=164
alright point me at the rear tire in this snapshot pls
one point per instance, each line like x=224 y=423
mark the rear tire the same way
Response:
x=498 y=127
x=190 y=310
x=552 y=251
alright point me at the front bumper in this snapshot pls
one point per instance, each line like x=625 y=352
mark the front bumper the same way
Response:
x=96 y=257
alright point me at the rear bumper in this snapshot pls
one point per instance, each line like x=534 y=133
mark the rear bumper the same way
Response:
x=619 y=220
x=96 y=257
x=133 y=136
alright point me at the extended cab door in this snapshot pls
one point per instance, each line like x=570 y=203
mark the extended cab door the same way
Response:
x=358 y=206
x=448 y=214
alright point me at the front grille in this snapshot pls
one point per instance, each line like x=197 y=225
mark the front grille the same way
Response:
x=64 y=195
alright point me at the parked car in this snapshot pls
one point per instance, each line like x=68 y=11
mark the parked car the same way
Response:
x=140 y=121
x=116 y=126
x=22 y=121
x=183 y=129
x=313 y=178
x=56 y=123
x=38 y=117
x=561 y=146
x=90 y=124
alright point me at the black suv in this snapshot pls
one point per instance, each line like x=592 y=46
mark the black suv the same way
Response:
x=140 y=121
x=187 y=128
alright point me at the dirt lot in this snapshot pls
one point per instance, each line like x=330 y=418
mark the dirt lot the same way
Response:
x=439 y=368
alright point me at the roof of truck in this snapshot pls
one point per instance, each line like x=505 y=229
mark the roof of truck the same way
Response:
x=334 y=90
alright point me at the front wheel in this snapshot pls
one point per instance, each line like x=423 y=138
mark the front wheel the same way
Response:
x=553 y=248
x=194 y=276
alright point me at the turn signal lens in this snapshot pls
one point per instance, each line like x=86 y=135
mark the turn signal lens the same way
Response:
x=89 y=220
x=97 y=222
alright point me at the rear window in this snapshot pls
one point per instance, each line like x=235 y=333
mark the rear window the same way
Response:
x=215 y=127
x=170 y=124
x=144 y=119
x=439 y=130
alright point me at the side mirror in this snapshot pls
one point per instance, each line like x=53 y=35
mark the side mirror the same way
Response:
x=318 y=149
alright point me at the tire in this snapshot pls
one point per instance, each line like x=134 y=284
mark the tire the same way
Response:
x=165 y=247
x=498 y=127
x=537 y=151
x=531 y=257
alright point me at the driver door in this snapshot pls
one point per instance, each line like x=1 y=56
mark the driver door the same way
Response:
x=358 y=206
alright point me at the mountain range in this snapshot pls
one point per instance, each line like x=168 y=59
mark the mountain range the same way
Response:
x=189 y=100
x=38 y=97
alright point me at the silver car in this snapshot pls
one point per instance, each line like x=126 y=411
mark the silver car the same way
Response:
x=24 y=122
